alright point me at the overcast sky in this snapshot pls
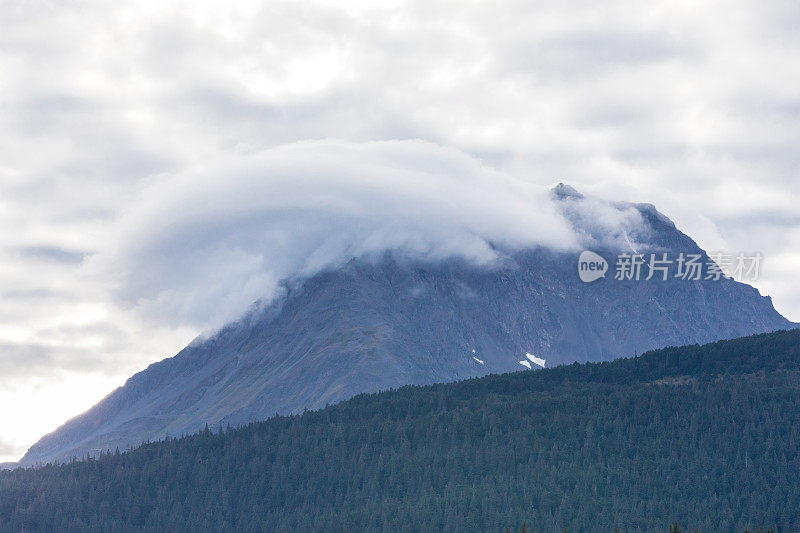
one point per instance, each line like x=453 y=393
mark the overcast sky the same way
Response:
x=144 y=148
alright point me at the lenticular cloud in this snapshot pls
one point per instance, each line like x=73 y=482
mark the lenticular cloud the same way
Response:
x=201 y=246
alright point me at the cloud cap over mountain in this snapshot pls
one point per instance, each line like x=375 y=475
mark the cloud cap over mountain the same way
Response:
x=202 y=245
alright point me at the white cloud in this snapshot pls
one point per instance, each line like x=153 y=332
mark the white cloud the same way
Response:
x=199 y=247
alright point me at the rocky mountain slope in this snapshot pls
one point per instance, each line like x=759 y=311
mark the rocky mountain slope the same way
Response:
x=379 y=323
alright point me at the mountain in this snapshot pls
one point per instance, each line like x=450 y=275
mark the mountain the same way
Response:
x=378 y=323
x=705 y=436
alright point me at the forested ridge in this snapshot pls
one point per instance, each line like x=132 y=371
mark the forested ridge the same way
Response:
x=707 y=437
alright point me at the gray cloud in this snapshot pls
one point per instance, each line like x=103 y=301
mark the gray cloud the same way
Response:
x=8 y=449
x=24 y=356
x=587 y=53
x=51 y=253
x=61 y=351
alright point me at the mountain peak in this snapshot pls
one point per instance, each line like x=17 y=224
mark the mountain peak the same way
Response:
x=562 y=191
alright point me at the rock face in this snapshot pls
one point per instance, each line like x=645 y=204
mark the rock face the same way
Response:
x=376 y=324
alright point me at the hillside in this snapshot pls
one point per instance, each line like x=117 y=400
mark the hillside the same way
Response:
x=708 y=436
x=386 y=322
